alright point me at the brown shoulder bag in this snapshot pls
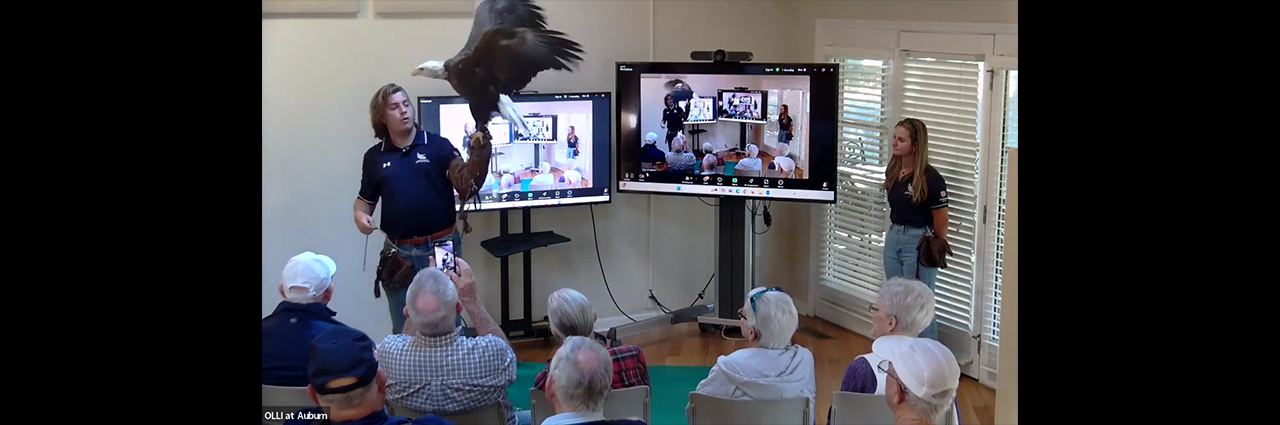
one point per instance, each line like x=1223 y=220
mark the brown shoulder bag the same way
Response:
x=932 y=251
x=393 y=272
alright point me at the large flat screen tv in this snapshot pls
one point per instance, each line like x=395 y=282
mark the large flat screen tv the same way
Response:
x=744 y=153
x=565 y=162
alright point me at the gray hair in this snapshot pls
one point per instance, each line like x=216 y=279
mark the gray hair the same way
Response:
x=777 y=318
x=431 y=282
x=926 y=409
x=350 y=399
x=908 y=300
x=570 y=313
x=301 y=296
x=581 y=374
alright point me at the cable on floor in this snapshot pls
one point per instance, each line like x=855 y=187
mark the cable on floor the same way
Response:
x=595 y=236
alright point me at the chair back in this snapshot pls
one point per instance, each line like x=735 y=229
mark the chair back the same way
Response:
x=859 y=409
x=290 y=397
x=628 y=403
x=707 y=409
x=625 y=403
x=487 y=415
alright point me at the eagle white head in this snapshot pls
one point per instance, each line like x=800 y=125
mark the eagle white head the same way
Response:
x=430 y=69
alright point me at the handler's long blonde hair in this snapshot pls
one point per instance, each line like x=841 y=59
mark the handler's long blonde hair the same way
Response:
x=919 y=135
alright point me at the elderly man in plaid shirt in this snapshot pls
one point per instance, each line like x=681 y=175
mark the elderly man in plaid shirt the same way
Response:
x=571 y=315
x=433 y=367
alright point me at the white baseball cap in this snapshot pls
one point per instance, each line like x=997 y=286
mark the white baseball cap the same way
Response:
x=926 y=367
x=309 y=270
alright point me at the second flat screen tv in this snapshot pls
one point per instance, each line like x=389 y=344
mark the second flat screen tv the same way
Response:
x=747 y=150
x=566 y=161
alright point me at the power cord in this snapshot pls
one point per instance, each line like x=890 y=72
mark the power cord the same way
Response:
x=595 y=236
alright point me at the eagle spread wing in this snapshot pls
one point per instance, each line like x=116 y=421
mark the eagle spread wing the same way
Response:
x=516 y=55
x=503 y=13
x=679 y=90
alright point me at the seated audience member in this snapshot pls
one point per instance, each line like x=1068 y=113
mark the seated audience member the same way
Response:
x=709 y=161
x=904 y=307
x=508 y=183
x=680 y=160
x=650 y=153
x=544 y=180
x=432 y=367
x=307 y=286
x=579 y=382
x=346 y=381
x=922 y=380
x=783 y=162
x=752 y=161
x=570 y=315
x=774 y=369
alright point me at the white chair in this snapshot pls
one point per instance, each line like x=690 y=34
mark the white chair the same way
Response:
x=870 y=409
x=542 y=182
x=487 y=415
x=619 y=404
x=707 y=409
x=282 y=397
x=859 y=409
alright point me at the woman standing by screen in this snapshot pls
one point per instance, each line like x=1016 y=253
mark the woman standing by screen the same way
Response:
x=784 y=125
x=572 y=141
x=917 y=207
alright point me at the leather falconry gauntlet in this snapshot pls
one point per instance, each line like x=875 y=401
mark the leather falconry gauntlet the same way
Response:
x=467 y=176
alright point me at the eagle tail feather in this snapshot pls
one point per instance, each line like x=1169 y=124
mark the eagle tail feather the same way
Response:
x=508 y=110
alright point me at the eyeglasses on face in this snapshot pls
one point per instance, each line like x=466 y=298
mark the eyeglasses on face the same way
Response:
x=884 y=368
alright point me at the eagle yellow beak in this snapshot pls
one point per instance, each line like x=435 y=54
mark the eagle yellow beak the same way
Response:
x=416 y=72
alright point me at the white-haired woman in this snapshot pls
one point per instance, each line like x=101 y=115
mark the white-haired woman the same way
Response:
x=782 y=161
x=752 y=162
x=905 y=307
x=774 y=368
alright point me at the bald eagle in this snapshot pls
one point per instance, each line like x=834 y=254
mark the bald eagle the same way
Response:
x=508 y=46
x=679 y=90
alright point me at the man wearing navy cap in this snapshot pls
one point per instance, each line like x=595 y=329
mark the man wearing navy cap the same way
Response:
x=307 y=286
x=345 y=380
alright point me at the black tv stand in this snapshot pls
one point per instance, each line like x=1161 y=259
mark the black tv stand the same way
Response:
x=503 y=246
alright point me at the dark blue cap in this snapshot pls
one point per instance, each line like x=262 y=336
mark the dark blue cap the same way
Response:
x=341 y=354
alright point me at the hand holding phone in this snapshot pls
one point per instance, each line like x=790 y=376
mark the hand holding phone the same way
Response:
x=444 y=255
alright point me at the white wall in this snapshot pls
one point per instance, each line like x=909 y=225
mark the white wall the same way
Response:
x=318 y=75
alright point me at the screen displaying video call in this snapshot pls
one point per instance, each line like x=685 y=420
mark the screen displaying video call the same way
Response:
x=563 y=161
x=721 y=129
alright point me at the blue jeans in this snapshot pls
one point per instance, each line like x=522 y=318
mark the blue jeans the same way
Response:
x=900 y=260
x=524 y=417
x=420 y=257
x=782 y=137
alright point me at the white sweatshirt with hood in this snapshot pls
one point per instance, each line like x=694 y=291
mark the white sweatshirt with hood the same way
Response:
x=762 y=374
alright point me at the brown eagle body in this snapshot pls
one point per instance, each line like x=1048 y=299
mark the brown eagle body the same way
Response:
x=508 y=46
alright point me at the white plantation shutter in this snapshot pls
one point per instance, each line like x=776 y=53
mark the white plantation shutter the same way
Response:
x=945 y=93
x=852 y=236
x=1004 y=130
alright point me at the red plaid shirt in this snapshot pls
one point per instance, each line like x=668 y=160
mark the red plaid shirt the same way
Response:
x=629 y=368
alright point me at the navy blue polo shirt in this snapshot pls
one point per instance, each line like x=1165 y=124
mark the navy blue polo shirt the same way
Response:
x=903 y=213
x=412 y=184
x=376 y=418
x=286 y=341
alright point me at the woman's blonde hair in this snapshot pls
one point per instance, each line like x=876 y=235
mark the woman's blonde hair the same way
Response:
x=919 y=135
x=378 y=110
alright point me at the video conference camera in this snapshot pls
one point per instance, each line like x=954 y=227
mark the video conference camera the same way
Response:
x=721 y=56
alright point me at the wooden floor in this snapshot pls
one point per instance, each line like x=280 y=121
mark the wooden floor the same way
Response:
x=683 y=345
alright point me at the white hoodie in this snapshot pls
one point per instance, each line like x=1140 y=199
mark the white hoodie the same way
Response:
x=762 y=374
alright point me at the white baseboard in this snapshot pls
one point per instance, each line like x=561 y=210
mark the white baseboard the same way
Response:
x=802 y=307
x=604 y=323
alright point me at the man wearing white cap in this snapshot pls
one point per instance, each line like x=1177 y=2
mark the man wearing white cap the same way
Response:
x=921 y=377
x=307 y=287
